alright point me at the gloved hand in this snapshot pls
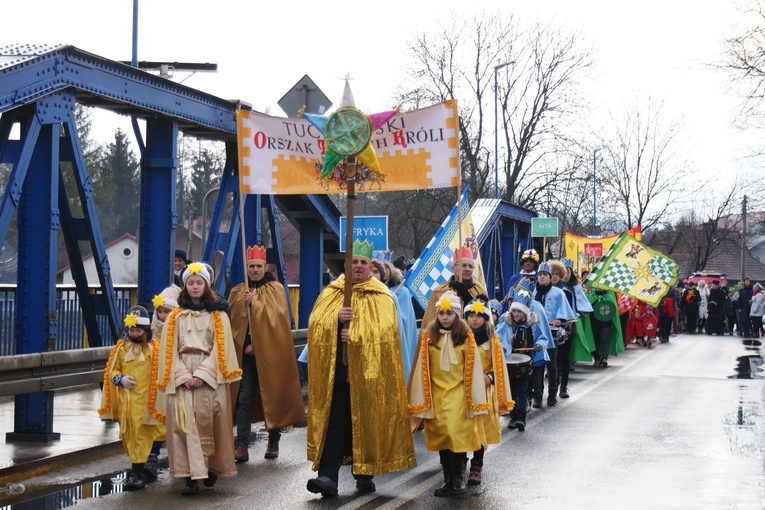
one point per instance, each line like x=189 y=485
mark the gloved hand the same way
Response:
x=462 y=291
x=127 y=382
x=538 y=347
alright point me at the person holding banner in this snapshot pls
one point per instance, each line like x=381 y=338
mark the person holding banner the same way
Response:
x=464 y=285
x=356 y=394
x=270 y=387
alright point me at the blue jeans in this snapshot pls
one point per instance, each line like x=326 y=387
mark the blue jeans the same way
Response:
x=519 y=388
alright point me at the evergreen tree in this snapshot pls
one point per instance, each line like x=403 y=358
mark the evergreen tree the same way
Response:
x=116 y=189
x=205 y=175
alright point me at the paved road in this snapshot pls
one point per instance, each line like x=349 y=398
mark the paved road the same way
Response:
x=667 y=428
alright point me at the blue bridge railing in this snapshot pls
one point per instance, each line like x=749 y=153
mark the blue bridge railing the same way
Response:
x=71 y=326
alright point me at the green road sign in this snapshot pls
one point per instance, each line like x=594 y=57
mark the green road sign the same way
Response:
x=544 y=227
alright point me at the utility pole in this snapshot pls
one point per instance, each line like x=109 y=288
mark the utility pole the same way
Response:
x=743 y=240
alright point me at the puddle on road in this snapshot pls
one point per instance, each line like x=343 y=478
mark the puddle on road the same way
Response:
x=15 y=496
x=749 y=366
x=54 y=497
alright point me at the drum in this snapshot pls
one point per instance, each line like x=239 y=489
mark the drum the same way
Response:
x=519 y=366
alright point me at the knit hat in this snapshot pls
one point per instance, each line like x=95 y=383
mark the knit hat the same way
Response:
x=449 y=301
x=399 y=263
x=168 y=297
x=181 y=253
x=757 y=286
x=138 y=317
x=379 y=268
x=478 y=306
x=195 y=268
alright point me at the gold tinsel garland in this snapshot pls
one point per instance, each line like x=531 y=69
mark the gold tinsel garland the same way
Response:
x=499 y=376
x=425 y=378
x=470 y=363
x=170 y=325
x=153 y=383
x=107 y=382
x=218 y=338
x=219 y=333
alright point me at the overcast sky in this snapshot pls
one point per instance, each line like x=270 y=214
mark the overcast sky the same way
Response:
x=659 y=48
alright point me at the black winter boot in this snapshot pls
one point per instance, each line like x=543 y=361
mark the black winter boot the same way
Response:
x=136 y=481
x=513 y=418
x=446 y=489
x=520 y=421
x=459 y=486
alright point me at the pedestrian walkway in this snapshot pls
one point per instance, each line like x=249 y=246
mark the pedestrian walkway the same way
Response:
x=84 y=437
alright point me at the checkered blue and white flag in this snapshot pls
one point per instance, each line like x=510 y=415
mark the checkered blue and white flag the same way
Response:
x=434 y=266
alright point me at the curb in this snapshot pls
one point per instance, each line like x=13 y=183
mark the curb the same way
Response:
x=25 y=470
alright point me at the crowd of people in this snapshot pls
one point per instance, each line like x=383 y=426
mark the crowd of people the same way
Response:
x=716 y=309
x=203 y=369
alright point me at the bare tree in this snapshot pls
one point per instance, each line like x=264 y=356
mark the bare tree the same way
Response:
x=641 y=171
x=414 y=216
x=570 y=198
x=745 y=61
x=537 y=93
x=710 y=225
x=539 y=99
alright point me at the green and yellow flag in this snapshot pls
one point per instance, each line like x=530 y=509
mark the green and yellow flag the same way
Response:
x=634 y=269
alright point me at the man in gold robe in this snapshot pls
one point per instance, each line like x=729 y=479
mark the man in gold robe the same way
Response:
x=270 y=387
x=464 y=286
x=356 y=395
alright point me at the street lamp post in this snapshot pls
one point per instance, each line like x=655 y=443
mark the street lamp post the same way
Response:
x=594 y=192
x=496 y=131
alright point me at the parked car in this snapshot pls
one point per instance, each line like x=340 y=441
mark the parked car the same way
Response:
x=708 y=276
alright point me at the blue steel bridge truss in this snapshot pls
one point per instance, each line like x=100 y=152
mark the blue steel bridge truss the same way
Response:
x=39 y=89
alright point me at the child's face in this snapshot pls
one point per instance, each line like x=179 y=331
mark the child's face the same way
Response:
x=519 y=316
x=476 y=320
x=163 y=312
x=446 y=319
x=136 y=333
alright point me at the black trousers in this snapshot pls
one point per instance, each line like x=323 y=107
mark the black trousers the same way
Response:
x=338 y=438
x=538 y=377
x=563 y=359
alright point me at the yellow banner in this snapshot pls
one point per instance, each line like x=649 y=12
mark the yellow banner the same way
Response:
x=416 y=150
x=585 y=252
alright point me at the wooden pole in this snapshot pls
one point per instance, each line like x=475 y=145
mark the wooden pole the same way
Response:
x=244 y=259
x=459 y=231
x=350 y=206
